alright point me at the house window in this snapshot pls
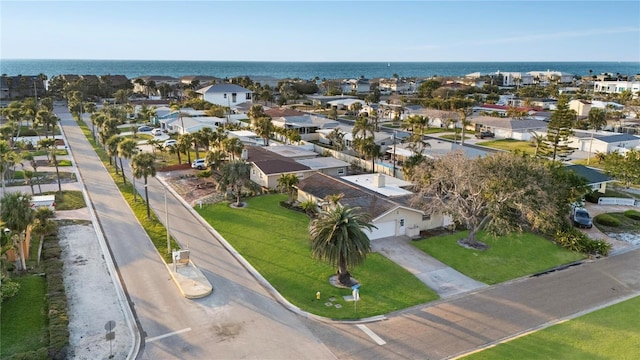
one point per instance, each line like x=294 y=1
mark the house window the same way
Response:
x=401 y=222
x=253 y=171
x=426 y=217
x=225 y=95
x=260 y=175
x=233 y=97
x=248 y=97
x=341 y=171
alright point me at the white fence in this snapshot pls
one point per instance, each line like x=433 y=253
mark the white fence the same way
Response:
x=616 y=201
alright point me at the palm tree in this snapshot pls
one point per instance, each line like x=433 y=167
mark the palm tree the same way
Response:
x=6 y=161
x=43 y=226
x=126 y=149
x=287 y=182
x=49 y=145
x=178 y=107
x=362 y=126
x=336 y=136
x=214 y=158
x=143 y=165
x=232 y=146
x=537 y=140
x=112 y=150
x=263 y=127
x=184 y=144
x=16 y=212
x=235 y=174
x=337 y=237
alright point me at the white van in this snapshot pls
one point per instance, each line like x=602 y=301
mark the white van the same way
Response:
x=43 y=201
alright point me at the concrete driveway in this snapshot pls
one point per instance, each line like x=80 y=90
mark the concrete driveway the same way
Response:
x=443 y=279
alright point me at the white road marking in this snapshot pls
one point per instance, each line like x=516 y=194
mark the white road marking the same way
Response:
x=371 y=334
x=167 y=335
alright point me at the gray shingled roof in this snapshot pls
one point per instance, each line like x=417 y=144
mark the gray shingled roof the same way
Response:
x=592 y=175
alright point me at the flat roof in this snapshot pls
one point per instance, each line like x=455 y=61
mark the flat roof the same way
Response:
x=391 y=188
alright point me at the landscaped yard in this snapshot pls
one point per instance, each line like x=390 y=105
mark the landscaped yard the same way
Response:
x=508 y=257
x=23 y=321
x=510 y=145
x=610 y=333
x=275 y=241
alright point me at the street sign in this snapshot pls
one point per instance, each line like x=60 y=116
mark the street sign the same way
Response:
x=110 y=325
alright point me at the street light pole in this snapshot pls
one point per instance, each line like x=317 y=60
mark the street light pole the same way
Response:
x=395 y=132
x=166 y=219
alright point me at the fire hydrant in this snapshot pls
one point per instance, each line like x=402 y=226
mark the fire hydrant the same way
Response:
x=318 y=295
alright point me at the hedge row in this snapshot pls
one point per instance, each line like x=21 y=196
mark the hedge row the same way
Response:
x=58 y=319
x=632 y=214
x=575 y=240
x=607 y=220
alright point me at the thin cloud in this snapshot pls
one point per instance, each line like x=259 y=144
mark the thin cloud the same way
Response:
x=565 y=34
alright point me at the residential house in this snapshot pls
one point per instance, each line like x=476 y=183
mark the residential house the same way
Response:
x=21 y=86
x=437 y=118
x=581 y=107
x=199 y=80
x=381 y=138
x=359 y=86
x=345 y=104
x=604 y=142
x=268 y=166
x=229 y=95
x=151 y=83
x=325 y=164
x=595 y=179
x=551 y=76
x=307 y=125
x=397 y=85
x=509 y=128
x=616 y=87
x=383 y=197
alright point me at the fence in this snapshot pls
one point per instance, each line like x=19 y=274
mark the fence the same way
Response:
x=616 y=201
x=380 y=167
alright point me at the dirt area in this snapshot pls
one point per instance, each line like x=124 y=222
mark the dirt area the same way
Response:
x=191 y=188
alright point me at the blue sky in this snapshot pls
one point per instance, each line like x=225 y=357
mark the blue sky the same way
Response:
x=321 y=30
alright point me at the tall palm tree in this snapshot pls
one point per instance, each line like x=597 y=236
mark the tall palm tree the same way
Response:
x=233 y=147
x=112 y=150
x=49 y=144
x=43 y=226
x=336 y=136
x=184 y=144
x=338 y=237
x=537 y=140
x=263 y=127
x=16 y=212
x=235 y=174
x=287 y=182
x=361 y=127
x=143 y=166
x=126 y=149
x=178 y=107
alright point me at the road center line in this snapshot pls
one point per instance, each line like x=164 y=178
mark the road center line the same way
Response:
x=371 y=334
x=167 y=335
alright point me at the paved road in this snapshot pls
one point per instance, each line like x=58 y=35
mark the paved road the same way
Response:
x=240 y=320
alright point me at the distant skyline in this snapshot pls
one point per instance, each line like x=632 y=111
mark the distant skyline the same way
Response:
x=354 y=31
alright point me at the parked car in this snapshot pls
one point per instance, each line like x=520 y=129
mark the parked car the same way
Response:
x=145 y=128
x=581 y=218
x=156 y=132
x=200 y=164
x=485 y=134
x=170 y=142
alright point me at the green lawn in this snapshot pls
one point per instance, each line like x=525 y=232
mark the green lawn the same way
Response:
x=610 y=333
x=70 y=199
x=510 y=145
x=275 y=241
x=23 y=321
x=508 y=257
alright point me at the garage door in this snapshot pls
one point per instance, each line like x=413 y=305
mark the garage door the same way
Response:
x=384 y=229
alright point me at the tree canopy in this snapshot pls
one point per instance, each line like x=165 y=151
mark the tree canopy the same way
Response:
x=500 y=193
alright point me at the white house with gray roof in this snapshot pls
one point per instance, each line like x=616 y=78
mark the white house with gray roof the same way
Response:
x=229 y=95
x=604 y=142
x=509 y=128
x=306 y=125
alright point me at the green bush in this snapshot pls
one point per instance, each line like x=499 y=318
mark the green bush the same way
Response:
x=204 y=174
x=8 y=289
x=632 y=214
x=575 y=240
x=593 y=197
x=58 y=317
x=607 y=220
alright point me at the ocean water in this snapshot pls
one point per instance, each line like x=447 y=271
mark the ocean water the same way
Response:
x=303 y=70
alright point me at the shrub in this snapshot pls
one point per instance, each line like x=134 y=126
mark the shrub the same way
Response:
x=575 y=240
x=632 y=214
x=204 y=174
x=8 y=289
x=593 y=197
x=607 y=220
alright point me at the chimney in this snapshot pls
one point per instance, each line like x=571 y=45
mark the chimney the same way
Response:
x=378 y=180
